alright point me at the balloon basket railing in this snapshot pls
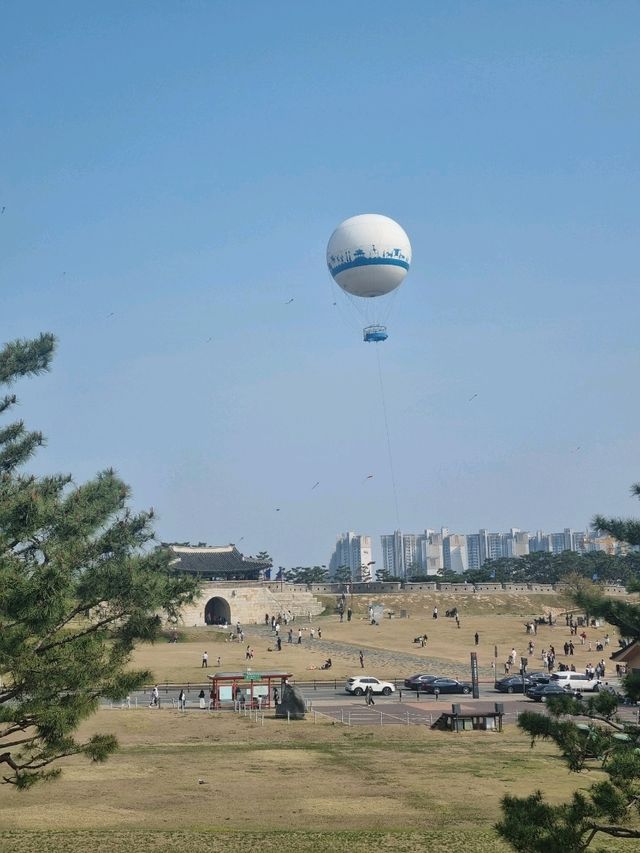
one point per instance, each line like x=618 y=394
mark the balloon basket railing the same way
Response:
x=374 y=334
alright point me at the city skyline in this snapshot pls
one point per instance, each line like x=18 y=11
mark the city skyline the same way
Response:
x=404 y=554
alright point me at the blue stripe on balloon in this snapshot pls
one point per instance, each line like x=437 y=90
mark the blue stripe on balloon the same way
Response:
x=368 y=262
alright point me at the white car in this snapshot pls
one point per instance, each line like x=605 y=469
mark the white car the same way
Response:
x=359 y=683
x=576 y=681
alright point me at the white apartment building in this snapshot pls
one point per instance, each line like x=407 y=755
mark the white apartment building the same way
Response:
x=455 y=553
x=354 y=551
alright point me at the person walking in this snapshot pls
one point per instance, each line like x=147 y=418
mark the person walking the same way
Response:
x=368 y=696
x=361 y=657
x=202 y=698
x=476 y=637
x=182 y=700
x=299 y=636
x=205 y=660
x=155 y=698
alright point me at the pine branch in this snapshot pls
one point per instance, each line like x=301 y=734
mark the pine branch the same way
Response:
x=74 y=637
x=26 y=358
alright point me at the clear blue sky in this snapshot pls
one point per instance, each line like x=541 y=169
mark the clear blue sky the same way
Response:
x=170 y=174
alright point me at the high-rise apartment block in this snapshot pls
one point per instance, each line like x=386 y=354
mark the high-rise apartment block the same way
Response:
x=353 y=551
x=407 y=555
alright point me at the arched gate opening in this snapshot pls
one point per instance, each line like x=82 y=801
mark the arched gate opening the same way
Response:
x=217 y=612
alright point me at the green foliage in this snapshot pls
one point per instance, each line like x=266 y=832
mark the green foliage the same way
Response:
x=540 y=567
x=611 y=806
x=307 y=575
x=342 y=574
x=80 y=583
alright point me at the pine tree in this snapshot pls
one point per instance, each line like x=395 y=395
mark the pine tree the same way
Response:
x=610 y=806
x=80 y=583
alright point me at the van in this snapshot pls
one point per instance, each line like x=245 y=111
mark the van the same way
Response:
x=576 y=681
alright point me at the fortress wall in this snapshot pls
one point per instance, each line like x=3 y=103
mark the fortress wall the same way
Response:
x=249 y=604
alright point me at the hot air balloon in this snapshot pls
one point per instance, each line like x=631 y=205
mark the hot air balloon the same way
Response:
x=369 y=256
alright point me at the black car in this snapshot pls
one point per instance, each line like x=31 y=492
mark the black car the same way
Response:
x=514 y=684
x=540 y=692
x=539 y=677
x=417 y=682
x=447 y=685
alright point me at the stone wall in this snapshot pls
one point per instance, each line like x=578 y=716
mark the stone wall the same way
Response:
x=249 y=604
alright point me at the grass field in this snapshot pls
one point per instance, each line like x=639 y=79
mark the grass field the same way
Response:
x=327 y=785
x=498 y=619
x=303 y=786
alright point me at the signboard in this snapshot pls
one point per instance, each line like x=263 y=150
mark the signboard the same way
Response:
x=253 y=676
x=474 y=675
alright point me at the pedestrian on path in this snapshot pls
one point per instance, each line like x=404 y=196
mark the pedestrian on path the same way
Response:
x=368 y=696
x=205 y=660
x=155 y=698
x=182 y=700
x=202 y=699
x=361 y=656
x=476 y=637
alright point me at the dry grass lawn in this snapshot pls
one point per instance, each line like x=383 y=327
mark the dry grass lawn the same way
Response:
x=327 y=785
x=498 y=619
x=302 y=787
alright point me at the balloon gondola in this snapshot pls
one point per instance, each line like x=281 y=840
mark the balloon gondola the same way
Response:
x=375 y=334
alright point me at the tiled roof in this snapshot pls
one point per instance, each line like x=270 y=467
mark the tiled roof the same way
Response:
x=224 y=561
x=622 y=653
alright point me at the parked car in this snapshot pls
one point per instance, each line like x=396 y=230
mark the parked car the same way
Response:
x=359 y=683
x=576 y=680
x=514 y=684
x=417 y=682
x=539 y=677
x=540 y=692
x=447 y=685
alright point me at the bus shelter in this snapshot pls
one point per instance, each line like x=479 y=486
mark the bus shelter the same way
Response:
x=247 y=689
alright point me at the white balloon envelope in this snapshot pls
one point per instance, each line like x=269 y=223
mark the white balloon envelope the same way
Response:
x=369 y=255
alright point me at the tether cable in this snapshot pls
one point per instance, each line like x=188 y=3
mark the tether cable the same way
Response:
x=386 y=426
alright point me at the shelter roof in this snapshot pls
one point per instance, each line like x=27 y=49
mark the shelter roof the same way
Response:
x=242 y=676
